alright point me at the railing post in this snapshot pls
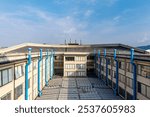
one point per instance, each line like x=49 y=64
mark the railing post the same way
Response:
x=115 y=58
x=39 y=74
x=26 y=73
x=134 y=73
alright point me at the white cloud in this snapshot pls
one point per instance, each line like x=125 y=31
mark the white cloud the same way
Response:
x=117 y=19
x=88 y=13
x=34 y=25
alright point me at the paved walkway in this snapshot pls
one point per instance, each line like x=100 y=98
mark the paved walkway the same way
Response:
x=77 y=89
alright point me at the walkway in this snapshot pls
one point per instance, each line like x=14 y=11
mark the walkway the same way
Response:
x=77 y=89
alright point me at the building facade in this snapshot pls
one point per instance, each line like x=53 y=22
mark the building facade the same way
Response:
x=129 y=79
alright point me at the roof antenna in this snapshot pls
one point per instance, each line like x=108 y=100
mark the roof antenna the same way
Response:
x=65 y=41
x=70 y=40
x=80 y=42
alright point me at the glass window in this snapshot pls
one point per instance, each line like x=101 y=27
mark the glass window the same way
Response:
x=0 y=79
x=19 y=71
x=109 y=71
x=69 y=58
x=5 y=77
x=6 y=97
x=122 y=92
x=148 y=91
x=139 y=87
x=129 y=96
x=108 y=60
x=114 y=74
x=129 y=82
x=18 y=91
x=80 y=66
x=10 y=72
x=143 y=89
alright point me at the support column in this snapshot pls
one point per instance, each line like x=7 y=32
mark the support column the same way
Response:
x=99 y=65
x=39 y=74
x=49 y=65
x=27 y=73
x=52 y=65
x=115 y=58
x=46 y=68
x=106 y=80
x=95 y=60
x=134 y=73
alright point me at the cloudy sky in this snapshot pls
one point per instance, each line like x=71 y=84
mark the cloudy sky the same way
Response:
x=92 y=21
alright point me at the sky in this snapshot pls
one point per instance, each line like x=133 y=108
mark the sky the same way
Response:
x=91 y=21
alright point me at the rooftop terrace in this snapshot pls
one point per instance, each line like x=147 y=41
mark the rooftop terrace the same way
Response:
x=77 y=89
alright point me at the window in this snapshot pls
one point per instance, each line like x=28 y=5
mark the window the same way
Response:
x=108 y=60
x=122 y=92
x=114 y=74
x=7 y=96
x=6 y=76
x=144 y=71
x=129 y=67
x=129 y=96
x=129 y=82
x=139 y=87
x=80 y=66
x=70 y=73
x=109 y=71
x=114 y=63
x=80 y=58
x=102 y=68
x=0 y=79
x=90 y=64
x=19 y=71
x=121 y=78
x=70 y=66
x=80 y=73
x=58 y=64
x=18 y=91
x=119 y=64
x=144 y=90
x=148 y=91
x=58 y=58
x=10 y=74
x=69 y=58
x=109 y=82
x=90 y=57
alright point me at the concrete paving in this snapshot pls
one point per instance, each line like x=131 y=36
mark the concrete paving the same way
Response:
x=77 y=89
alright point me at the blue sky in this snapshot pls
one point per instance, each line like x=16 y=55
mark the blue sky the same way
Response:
x=92 y=21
